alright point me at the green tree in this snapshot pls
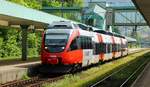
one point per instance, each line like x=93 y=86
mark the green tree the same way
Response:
x=8 y=43
x=28 y=3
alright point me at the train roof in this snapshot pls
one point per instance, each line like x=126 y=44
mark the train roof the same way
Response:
x=70 y=24
x=109 y=33
x=104 y=32
x=118 y=35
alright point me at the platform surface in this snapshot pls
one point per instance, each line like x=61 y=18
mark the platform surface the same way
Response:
x=15 y=72
x=143 y=79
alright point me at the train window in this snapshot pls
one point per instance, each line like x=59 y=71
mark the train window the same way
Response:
x=104 y=49
x=97 y=47
x=113 y=48
x=117 y=48
x=60 y=27
x=89 y=42
x=109 y=48
x=101 y=47
x=82 y=42
x=74 y=45
x=85 y=42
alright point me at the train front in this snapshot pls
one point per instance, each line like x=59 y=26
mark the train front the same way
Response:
x=55 y=47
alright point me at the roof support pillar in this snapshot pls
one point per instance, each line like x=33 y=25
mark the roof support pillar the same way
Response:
x=24 y=29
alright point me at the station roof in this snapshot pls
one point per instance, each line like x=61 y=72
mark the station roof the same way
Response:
x=14 y=14
x=144 y=7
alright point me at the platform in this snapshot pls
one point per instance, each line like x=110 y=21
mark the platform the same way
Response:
x=15 y=72
x=143 y=79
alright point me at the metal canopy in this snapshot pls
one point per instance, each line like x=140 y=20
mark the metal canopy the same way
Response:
x=144 y=7
x=13 y=14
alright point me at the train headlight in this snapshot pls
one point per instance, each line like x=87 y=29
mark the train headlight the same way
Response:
x=62 y=47
x=46 y=49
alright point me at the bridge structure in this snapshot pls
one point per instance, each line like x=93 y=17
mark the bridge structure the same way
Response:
x=126 y=16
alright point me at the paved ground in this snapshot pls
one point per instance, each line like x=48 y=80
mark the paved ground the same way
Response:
x=143 y=79
x=17 y=61
x=16 y=71
x=22 y=65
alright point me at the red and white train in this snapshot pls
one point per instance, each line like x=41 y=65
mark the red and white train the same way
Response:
x=67 y=46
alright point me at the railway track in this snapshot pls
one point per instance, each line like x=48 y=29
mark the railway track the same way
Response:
x=33 y=82
x=111 y=81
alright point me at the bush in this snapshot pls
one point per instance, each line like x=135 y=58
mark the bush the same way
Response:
x=10 y=43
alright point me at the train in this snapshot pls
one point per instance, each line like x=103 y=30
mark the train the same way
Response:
x=68 y=46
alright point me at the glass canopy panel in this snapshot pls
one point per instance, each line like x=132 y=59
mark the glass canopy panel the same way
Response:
x=133 y=17
x=119 y=3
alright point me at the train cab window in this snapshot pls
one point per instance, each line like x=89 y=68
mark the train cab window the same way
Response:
x=56 y=42
x=74 y=44
x=60 y=27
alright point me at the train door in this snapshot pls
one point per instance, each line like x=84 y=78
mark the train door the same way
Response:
x=108 y=47
x=86 y=45
x=122 y=47
x=96 y=52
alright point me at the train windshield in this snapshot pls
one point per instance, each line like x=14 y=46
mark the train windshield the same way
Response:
x=56 y=42
x=60 y=27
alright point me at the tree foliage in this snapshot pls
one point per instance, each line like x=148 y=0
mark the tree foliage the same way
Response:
x=28 y=3
x=66 y=3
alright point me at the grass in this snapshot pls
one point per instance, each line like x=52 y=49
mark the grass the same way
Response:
x=25 y=77
x=94 y=74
